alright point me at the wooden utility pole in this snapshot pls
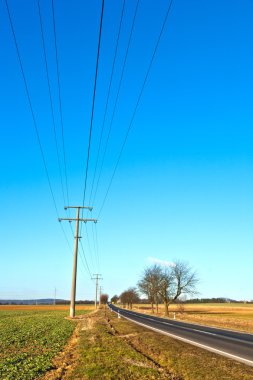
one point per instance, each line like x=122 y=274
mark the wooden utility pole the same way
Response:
x=97 y=278
x=100 y=293
x=77 y=237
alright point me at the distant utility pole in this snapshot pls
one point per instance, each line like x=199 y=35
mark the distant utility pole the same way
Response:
x=100 y=293
x=54 y=296
x=97 y=278
x=77 y=237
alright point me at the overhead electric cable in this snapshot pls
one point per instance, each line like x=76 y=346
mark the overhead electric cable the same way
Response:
x=33 y=118
x=93 y=101
x=95 y=247
x=116 y=101
x=60 y=103
x=61 y=118
x=51 y=101
x=89 y=247
x=31 y=107
x=108 y=96
x=85 y=259
x=86 y=266
x=96 y=240
x=137 y=104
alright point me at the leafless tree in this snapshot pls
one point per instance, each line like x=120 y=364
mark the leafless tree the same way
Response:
x=179 y=279
x=168 y=283
x=128 y=297
x=123 y=298
x=104 y=299
x=149 y=285
x=114 y=299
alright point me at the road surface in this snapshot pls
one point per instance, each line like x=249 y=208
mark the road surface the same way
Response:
x=235 y=345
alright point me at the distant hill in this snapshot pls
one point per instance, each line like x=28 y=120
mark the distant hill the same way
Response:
x=42 y=301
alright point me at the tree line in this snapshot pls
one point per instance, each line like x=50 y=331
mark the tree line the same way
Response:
x=160 y=284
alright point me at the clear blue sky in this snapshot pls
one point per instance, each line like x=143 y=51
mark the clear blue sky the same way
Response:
x=183 y=189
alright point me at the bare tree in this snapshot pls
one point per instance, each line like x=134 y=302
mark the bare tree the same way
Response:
x=104 y=299
x=165 y=288
x=177 y=280
x=123 y=298
x=185 y=279
x=129 y=296
x=149 y=285
x=168 y=283
x=114 y=299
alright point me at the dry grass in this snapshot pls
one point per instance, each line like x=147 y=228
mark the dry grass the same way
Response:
x=235 y=316
x=104 y=355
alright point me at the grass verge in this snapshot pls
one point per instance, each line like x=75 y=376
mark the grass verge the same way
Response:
x=104 y=355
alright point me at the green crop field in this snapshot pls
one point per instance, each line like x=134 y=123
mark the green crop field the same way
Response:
x=30 y=339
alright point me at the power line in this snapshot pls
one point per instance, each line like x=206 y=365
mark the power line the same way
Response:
x=93 y=101
x=93 y=106
x=60 y=102
x=51 y=101
x=35 y=124
x=117 y=97
x=108 y=96
x=89 y=247
x=31 y=108
x=34 y=121
x=83 y=258
x=95 y=247
x=137 y=104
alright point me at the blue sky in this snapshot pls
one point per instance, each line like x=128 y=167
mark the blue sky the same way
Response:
x=183 y=188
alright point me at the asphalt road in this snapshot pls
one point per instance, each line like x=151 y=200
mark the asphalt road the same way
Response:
x=235 y=345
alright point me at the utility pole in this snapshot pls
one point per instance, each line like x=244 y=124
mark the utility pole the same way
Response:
x=54 y=296
x=100 y=293
x=77 y=237
x=97 y=278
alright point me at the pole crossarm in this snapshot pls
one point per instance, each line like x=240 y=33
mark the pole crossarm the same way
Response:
x=85 y=220
x=86 y=207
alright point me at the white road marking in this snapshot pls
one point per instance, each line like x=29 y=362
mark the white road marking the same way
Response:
x=188 y=328
x=171 y=324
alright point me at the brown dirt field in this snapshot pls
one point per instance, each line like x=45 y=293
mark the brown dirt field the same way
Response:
x=235 y=316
